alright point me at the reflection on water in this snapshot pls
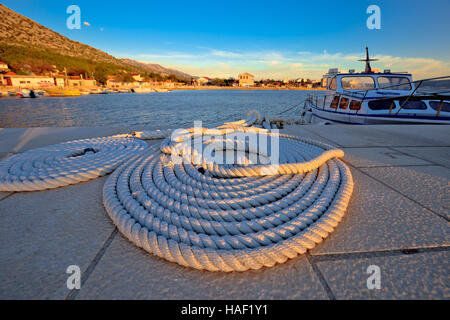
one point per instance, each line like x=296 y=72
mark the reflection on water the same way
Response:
x=177 y=108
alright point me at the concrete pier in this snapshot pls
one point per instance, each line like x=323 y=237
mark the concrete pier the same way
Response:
x=397 y=220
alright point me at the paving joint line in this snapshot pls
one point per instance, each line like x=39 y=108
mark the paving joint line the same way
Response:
x=329 y=141
x=7 y=196
x=398 y=166
x=388 y=186
x=74 y=292
x=430 y=161
x=377 y=253
x=319 y=274
x=381 y=146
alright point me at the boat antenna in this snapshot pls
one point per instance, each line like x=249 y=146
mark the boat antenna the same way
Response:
x=367 y=61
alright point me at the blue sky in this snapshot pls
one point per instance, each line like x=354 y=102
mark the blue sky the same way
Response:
x=274 y=39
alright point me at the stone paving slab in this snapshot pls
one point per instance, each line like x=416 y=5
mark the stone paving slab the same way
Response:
x=428 y=185
x=384 y=135
x=42 y=233
x=379 y=218
x=128 y=272
x=437 y=155
x=300 y=131
x=376 y=157
x=402 y=276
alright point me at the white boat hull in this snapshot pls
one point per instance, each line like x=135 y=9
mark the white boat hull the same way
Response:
x=323 y=116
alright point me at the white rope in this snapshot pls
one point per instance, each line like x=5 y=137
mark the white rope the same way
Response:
x=66 y=163
x=199 y=220
x=253 y=117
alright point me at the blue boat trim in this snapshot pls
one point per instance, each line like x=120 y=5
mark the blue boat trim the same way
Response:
x=404 y=116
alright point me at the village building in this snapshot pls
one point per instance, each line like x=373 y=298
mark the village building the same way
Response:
x=202 y=81
x=136 y=77
x=29 y=82
x=3 y=66
x=80 y=82
x=112 y=82
x=246 y=80
x=59 y=81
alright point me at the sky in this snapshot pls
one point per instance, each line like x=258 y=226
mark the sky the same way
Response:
x=270 y=39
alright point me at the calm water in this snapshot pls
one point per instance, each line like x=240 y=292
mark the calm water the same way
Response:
x=170 y=109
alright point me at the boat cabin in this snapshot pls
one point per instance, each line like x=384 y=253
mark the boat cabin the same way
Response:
x=348 y=82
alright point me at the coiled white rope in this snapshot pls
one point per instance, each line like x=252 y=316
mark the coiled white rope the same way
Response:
x=253 y=117
x=245 y=221
x=66 y=163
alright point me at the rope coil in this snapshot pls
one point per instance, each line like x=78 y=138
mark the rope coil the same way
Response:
x=66 y=163
x=199 y=219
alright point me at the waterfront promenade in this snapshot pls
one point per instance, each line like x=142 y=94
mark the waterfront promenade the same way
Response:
x=398 y=220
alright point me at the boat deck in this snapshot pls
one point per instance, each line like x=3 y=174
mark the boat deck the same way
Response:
x=398 y=219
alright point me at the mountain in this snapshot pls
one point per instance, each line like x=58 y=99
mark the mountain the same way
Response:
x=156 y=68
x=38 y=43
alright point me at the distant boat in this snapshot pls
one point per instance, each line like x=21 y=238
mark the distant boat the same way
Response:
x=27 y=94
x=63 y=92
x=142 y=90
x=96 y=91
x=162 y=90
x=107 y=91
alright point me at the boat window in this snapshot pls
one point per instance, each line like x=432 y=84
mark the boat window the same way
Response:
x=333 y=84
x=355 y=105
x=358 y=83
x=335 y=102
x=419 y=105
x=394 y=83
x=445 y=106
x=380 y=105
x=344 y=103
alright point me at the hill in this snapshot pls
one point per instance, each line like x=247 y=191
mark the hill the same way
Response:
x=28 y=46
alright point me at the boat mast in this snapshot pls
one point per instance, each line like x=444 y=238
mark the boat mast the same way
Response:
x=367 y=61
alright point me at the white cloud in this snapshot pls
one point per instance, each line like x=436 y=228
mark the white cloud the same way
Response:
x=221 y=63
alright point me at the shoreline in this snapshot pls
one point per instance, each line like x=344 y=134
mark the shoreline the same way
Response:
x=4 y=91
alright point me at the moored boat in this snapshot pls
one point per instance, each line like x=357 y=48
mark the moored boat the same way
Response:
x=379 y=98
x=63 y=92
x=142 y=90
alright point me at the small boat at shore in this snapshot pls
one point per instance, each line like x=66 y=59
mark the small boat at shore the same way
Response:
x=63 y=92
x=27 y=94
x=379 y=98
x=142 y=90
x=96 y=91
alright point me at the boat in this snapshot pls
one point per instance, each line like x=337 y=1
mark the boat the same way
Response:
x=142 y=90
x=27 y=94
x=162 y=90
x=96 y=91
x=107 y=91
x=63 y=92
x=378 y=98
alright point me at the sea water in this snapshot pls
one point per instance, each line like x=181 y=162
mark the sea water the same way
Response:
x=157 y=110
